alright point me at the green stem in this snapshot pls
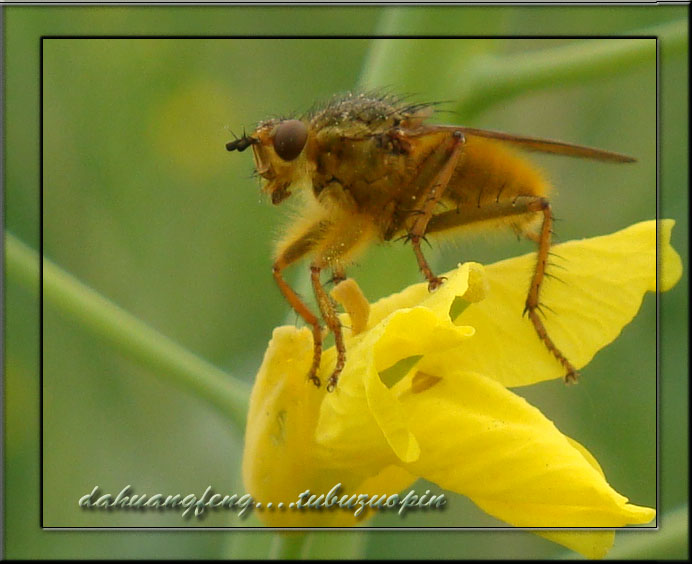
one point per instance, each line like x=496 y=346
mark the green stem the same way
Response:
x=123 y=331
x=346 y=545
x=396 y=64
x=287 y=546
x=493 y=78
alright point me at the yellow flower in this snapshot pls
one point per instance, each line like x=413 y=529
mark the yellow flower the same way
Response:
x=425 y=394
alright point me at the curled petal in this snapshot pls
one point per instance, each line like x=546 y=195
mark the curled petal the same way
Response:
x=601 y=287
x=363 y=415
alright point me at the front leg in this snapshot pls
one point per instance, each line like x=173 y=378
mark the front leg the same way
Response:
x=347 y=234
x=289 y=253
x=301 y=309
x=331 y=319
x=332 y=240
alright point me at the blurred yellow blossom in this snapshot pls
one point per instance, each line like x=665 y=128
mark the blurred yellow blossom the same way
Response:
x=425 y=394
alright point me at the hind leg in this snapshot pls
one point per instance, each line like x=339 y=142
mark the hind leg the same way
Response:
x=520 y=206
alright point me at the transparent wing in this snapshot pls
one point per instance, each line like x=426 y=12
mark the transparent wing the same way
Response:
x=533 y=143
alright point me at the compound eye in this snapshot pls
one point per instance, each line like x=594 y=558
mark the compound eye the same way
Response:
x=290 y=138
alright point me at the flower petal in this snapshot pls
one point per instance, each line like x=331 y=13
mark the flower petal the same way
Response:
x=670 y=263
x=362 y=422
x=601 y=291
x=280 y=461
x=468 y=281
x=363 y=417
x=489 y=444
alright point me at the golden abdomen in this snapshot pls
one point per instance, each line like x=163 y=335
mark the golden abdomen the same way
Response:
x=490 y=172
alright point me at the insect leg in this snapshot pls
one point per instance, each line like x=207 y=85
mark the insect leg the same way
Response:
x=329 y=315
x=431 y=196
x=521 y=206
x=346 y=235
x=532 y=303
x=290 y=253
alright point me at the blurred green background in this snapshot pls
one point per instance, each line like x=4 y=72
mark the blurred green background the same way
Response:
x=142 y=203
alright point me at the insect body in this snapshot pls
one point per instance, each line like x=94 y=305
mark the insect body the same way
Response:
x=374 y=169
